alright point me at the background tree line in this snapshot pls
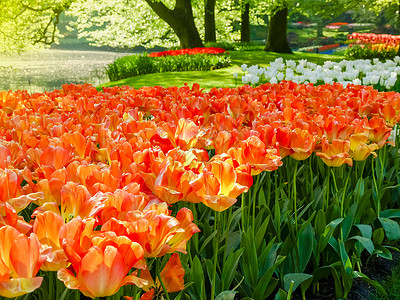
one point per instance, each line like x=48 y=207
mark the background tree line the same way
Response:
x=187 y=23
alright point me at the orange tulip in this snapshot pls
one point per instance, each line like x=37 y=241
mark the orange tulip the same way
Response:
x=302 y=144
x=20 y=259
x=378 y=131
x=100 y=267
x=9 y=184
x=47 y=226
x=170 y=176
x=155 y=230
x=218 y=185
x=76 y=201
x=359 y=149
x=254 y=152
x=56 y=157
x=9 y=216
x=336 y=153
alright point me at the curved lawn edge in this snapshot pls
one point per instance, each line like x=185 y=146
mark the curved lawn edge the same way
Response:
x=221 y=77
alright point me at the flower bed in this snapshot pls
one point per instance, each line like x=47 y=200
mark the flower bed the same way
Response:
x=134 y=65
x=192 y=51
x=102 y=180
x=382 y=75
x=370 y=45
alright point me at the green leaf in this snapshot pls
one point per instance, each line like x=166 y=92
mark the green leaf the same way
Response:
x=338 y=284
x=366 y=242
x=261 y=198
x=392 y=228
x=366 y=230
x=345 y=258
x=210 y=270
x=281 y=295
x=233 y=241
x=378 y=236
x=229 y=268
x=197 y=290
x=374 y=283
x=306 y=246
x=260 y=234
x=250 y=261
x=207 y=240
x=268 y=256
x=261 y=288
x=297 y=278
x=349 y=221
x=383 y=190
x=381 y=251
x=226 y=295
x=359 y=189
x=390 y=213
x=320 y=223
x=329 y=229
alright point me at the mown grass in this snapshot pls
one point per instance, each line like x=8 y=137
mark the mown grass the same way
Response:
x=221 y=77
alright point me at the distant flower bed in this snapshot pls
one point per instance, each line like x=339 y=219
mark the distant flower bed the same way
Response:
x=372 y=38
x=336 y=25
x=193 y=51
x=370 y=45
x=320 y=48
x=134 y=65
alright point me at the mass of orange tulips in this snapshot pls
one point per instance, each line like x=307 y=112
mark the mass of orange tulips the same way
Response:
x=103 y=170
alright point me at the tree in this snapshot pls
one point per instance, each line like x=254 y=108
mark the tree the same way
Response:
x=26 y=24
x=181 y=20
x=209 y=21
x=277 y=31
x=245 y=18
x=125 y=23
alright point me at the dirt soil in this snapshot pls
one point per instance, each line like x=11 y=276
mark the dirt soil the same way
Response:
x=49 y=69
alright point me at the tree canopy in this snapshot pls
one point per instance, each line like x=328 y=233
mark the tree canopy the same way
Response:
x=26 y=23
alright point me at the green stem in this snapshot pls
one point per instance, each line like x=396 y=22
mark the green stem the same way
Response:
x=344 y=194
x=326 y=202
x=51 y=285
x=64 y=295
x=158 y=275
x=377 y=206
x=311 y=178
x=216 y=242
x=294 y=194
x=269 y=183
x=256 y=187
x=163 y=286
x=242 y=206
x=334 y=181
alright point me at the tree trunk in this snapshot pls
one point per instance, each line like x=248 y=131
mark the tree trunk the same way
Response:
x=245 y=28
x=181 y=21
x=320 y=28
x=209 y=21
x=277 y=33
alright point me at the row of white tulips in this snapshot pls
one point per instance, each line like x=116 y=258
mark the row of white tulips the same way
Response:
x=359 y=72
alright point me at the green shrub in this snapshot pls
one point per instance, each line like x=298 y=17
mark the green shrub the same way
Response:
x=134 y=65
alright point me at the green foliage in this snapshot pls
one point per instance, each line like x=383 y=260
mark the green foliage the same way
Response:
x=238 y=46
x=140 y=64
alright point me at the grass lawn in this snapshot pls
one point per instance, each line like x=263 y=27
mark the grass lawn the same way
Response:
x=221 y=77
